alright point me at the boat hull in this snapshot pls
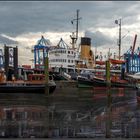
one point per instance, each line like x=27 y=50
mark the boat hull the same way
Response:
x=25 y=89
x=83 y=83
x=87 y=83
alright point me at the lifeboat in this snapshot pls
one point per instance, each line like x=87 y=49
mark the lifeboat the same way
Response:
x=114 y=61
x=100 y=62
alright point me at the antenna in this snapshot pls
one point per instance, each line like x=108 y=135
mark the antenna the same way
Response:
x=73 y=37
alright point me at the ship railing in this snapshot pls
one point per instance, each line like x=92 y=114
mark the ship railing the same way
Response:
x=16 y=83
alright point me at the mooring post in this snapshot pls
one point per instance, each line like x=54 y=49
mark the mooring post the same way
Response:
x=46 y=69
x=46 y=75
x=108 y=121
x=108 y=72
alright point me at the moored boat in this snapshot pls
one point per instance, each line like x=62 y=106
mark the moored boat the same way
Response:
x=101 y=82
x=35 y=84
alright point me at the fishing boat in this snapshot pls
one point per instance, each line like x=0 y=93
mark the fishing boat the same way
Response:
x=34 y=84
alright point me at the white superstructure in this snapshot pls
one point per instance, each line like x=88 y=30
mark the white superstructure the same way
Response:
x=62 y=56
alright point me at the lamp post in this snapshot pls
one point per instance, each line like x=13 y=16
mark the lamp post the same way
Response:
x=119 y=42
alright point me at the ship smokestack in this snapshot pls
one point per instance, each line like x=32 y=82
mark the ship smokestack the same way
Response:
x=85 y=47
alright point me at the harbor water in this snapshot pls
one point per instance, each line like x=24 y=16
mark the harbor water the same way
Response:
x=70 y=112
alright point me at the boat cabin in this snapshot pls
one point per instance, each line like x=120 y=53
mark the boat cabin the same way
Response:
x=38 y=77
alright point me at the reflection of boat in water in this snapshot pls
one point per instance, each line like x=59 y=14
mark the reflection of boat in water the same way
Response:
x=136 y=77
x=138 y=96
x=34 y=84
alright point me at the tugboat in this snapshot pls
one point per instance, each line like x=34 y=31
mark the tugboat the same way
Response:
x=34 y=84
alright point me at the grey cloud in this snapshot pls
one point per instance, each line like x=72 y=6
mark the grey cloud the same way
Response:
x=98 y=38
x=4 y=40
x=41 y=16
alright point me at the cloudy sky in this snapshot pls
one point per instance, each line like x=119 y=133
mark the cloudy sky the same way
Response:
x=23 y=23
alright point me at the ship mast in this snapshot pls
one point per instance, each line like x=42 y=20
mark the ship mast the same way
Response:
x=73 y=36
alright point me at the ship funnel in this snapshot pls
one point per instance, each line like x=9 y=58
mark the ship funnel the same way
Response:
x=85 y=47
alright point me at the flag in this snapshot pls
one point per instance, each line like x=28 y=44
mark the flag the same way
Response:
x=116 y=21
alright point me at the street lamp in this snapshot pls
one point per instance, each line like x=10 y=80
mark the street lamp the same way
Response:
x=119 y=43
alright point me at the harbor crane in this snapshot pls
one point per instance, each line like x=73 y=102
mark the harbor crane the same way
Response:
x=134 y=44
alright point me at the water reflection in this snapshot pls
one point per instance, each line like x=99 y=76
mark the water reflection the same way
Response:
x=22 y=115
x=69 y=113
